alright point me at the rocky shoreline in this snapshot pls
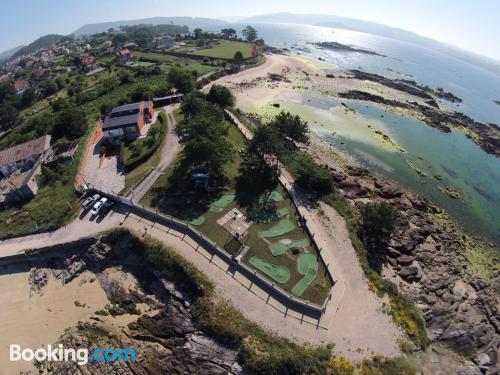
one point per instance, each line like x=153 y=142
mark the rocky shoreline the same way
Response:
x=428 y=264
x=163 y=331
x=336 y=46
x=486 y=136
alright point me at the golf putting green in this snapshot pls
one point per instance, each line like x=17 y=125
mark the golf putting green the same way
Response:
x=197 y=221
x=274 y=196
x=281 y=227
x=279 y=248
x=308 y=266
x=268 y=216
x=221 y=203
x=277 y=273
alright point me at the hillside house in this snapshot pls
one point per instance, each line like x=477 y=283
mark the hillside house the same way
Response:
x=124 y=56
x=127 y=121
x=24 y=156
x=162 y=41
x=21 y=85
x=88 y=63
x=19 y=166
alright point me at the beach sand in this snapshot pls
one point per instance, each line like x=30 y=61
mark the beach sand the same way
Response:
x=35 y=319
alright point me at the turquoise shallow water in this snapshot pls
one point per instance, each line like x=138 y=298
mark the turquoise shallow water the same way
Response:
x=459 y=161
x=462 y=164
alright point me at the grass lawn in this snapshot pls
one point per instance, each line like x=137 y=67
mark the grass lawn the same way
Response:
x=195 y=208
x=168 y=61
x=134 y=175
x=226 y=50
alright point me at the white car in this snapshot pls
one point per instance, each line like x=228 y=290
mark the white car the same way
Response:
x=98 y=206
x=90 y=201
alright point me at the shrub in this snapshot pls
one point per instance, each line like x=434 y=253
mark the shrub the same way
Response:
x=309 y=175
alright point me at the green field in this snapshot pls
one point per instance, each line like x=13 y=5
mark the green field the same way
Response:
x=277 y=273
x=226 y=50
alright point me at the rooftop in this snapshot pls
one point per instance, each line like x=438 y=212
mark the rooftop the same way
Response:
x=25 y=150
x=126 y=107
x=117 y=122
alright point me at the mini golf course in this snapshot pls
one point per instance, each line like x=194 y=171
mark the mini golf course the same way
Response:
x=308 y=266
x=277 y=273
x=266 y=217
x=280 y=228
x=274 y=196
x=281 y=247
x=221 y=203
x=197 y=221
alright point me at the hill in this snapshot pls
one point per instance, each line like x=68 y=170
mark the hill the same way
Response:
x=191 y=22
x=5 y=55
x=42 y=42
x=379 y=29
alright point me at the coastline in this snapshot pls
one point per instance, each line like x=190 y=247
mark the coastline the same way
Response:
x=429 y=258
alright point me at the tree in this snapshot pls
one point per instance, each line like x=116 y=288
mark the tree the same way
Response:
x=238 y=57
x=291 y=127
x=119 y=38
x=309 y=175
x=182 y=79
x=249 y=33
x=48 y=87
x=70 y=124
x=221 y=95
x=229 y=33
x=375 y=228
x=204 y=137
x=197 y=33
x=28 y=97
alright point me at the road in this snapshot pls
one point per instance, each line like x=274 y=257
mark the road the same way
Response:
x=170 y=150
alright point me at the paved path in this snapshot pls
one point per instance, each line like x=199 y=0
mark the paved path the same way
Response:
x=82 y=226
x=169 y=152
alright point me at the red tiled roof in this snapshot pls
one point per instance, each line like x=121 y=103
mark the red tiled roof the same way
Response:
x=20 y=83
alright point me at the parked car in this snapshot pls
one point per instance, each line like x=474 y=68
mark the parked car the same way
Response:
x=106 y=207
x=98 y=206
x=87 y=203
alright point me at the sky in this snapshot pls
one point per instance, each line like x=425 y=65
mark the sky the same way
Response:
x=473 y=25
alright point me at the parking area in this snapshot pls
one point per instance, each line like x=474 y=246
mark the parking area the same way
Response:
x=103 y=170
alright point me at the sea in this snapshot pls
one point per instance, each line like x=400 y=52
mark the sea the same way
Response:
x=457 y=160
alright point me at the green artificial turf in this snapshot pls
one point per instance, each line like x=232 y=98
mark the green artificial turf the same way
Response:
x=308 y=266
x=279 y=248
x=221 y=203
x=280 y=228
x=277 y=273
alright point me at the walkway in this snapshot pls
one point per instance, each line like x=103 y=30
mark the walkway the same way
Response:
x=169 y=152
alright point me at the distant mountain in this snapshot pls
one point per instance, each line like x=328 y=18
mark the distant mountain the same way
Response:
x=5 y=55
x=42 y=42
x=487 y=63
x=191 y=22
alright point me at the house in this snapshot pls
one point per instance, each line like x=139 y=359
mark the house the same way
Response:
x=127 y=121
x=162 y=41
x=21 y=85
x=19 y=166
x=88 y=63
x=24 y=156
x=4 y=77
x=124 y=56
x=19 y=186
